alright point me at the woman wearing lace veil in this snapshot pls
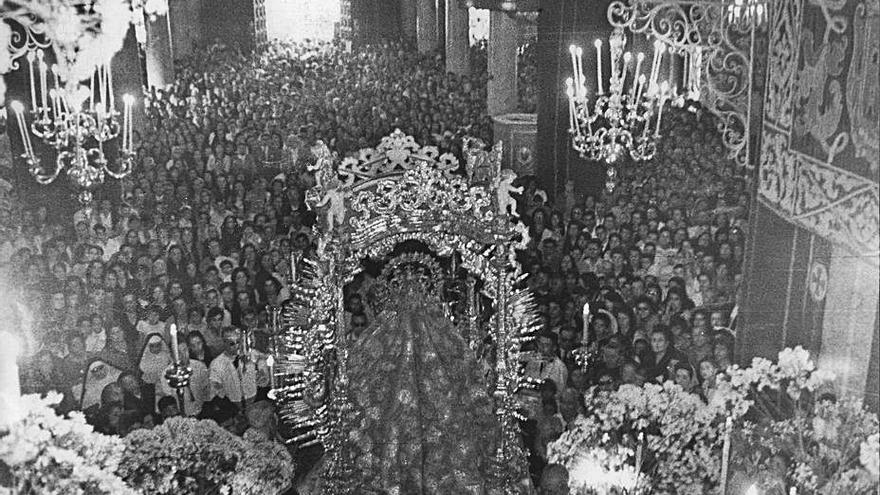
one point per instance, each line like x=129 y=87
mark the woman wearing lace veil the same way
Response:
x=424 y=422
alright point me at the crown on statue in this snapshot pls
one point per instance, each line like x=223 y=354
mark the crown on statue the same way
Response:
x=410 y=280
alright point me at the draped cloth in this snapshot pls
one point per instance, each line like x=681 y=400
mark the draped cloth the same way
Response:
x=424 y=421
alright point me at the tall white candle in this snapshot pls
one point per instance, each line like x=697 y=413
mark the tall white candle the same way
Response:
x=640 y=88
x=10 y=385
x=110 y=94
x=18 y=110
x=598 y=44
x=580 y=84
x=30 y=59
x=627 y=58
x=725 y=454
x=43 y=93
x=585 y=338
x=572 y=50
x=92 y=93
x=636 y=75
x=270 y=363
x=172 y=330
x=640 y=450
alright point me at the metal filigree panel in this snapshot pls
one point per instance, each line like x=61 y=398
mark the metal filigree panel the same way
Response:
x=727 y=52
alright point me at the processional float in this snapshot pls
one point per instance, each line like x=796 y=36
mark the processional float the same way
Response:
x=367 y=205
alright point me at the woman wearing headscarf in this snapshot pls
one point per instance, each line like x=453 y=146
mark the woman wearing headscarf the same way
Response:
x=99 y=374
x=154 y=358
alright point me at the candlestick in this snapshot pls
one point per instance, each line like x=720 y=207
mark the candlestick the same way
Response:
x=92 y=93
x=725 y=454
x=572 y=50
x=270 y=362
x=30 y=59
x=585 y=338
x=10 y=384
x=598 y=44
x=174 y=352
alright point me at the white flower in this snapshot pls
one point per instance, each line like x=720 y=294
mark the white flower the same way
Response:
x=794 y=363
x=869 y=454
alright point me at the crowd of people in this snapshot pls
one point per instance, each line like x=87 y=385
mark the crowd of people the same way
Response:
x=195 y=246
x=658 y=264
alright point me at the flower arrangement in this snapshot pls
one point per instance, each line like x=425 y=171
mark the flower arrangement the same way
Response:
x=47 y=454
x=834 y=447
x=681 y=440
x=185 y=455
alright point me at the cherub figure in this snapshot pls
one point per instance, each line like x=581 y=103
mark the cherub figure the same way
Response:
x=503 y=189
x=334 y=197
x=323 y=166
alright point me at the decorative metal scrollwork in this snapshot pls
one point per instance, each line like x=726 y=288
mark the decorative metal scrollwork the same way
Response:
x=727 y=47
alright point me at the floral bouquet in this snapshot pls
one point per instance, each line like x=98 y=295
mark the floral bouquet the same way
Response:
x=47 y=454
x=670 y=439
x=832 y=448
x=185 y=455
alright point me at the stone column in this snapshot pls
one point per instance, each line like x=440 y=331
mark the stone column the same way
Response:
x=408 y=19
x=426 y=25
x=186 y=24
x=457 y=38
x=503 y=41
x=160 y=57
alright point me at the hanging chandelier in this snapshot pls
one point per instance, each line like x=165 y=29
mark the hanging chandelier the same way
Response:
x=625 y=119
x=77 y=121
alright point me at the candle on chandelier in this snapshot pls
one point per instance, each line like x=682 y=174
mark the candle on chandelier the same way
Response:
x=92 y=93
x=598 y=44
x=636 y=75
x=581 y=87
x=640 y=86
x=30 y=59
x=110 y=96
x=175 y=354
x=18 y=110
x=43 y=94
x=659 y=48
x=127 y=101
x=56 y=77
x=53 y=95
x=664 y=95
x=572 y=50
x=627 y=58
